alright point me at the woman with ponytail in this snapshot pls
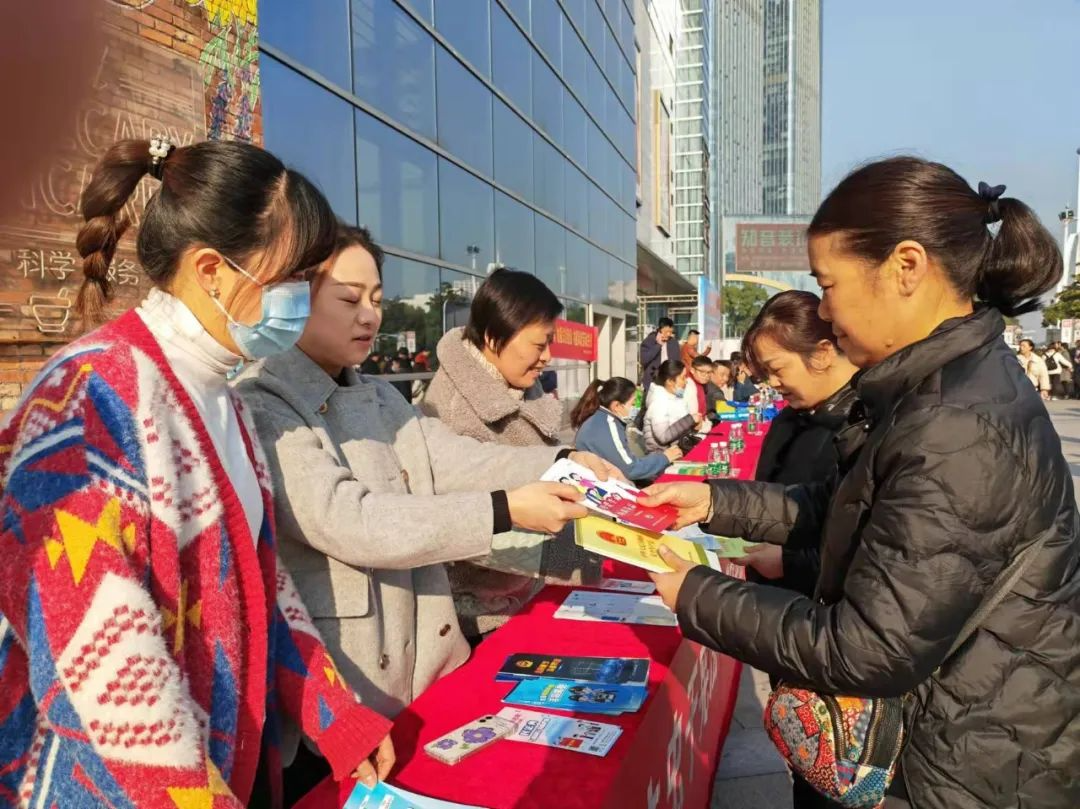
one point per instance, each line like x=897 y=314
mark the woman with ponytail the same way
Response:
x=600 y=418
x=950 y=558
x=150 y=644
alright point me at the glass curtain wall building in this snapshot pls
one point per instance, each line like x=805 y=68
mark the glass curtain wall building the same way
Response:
x=467 y=134
x=692 y=217
x=792 y=106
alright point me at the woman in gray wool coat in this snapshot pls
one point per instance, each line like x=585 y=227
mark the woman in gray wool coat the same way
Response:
x=372 y=498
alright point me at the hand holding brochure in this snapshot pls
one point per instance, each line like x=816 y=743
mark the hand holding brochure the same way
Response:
x=611 y=498
x=637 y=547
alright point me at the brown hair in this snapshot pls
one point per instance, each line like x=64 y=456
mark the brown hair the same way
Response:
x=234 y=197
x=351 y=236
x=791 y=320
x=507 y=302
x=601 y=394
x=883 y=203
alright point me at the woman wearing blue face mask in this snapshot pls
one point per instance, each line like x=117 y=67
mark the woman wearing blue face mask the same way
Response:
x=667 y=417
x=149 y=639
x=600 y=418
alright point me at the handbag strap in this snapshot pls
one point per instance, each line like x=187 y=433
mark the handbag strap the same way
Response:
x=1001 y=587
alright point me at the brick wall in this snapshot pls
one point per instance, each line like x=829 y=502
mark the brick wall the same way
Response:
x=166 y=67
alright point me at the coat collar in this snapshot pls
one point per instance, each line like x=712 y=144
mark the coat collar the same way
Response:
x=311 y=384
x=880 y=387
x=488 y=396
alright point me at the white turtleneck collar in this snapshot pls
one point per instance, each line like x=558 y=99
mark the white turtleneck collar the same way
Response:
x=178 y=330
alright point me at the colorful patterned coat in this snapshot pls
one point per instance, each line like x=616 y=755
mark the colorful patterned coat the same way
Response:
x=148 y=643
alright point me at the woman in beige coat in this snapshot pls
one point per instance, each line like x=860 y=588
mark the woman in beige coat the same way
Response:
x=487 y=387
x=372 y=498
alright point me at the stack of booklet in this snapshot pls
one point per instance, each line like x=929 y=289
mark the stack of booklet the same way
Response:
x=598 y=685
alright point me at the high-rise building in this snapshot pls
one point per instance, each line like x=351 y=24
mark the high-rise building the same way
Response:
x=792 y=92
x=657 y=28
x=692 y=141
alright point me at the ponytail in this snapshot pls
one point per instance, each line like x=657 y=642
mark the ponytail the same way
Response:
x=601 y=394
x=588 y=404
x=233 y=197
x=1021 y=263
x=114 y=181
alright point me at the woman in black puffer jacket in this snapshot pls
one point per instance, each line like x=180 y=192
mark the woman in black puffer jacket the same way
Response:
x=959 y=470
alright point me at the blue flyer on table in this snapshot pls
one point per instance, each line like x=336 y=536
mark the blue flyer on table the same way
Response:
x=566 y=695
x=384 y=796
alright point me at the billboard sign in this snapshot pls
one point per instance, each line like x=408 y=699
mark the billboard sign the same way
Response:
x=770 y=247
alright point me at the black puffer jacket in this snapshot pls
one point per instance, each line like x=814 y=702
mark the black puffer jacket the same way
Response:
x=960 y=469
x=799 y=449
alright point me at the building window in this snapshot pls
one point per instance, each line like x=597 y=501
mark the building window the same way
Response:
x=316 y=35
x=548 y=177
x=551 y=254
x=547 y=99
x=323 y=153
x=464 y=113
x=513 y=233
x=662 y=160
x=547 y=29
x=512 y=73
x=466 y=218
x=394 y=64
x=513 y=151
x=397 y=181
x=465 y=25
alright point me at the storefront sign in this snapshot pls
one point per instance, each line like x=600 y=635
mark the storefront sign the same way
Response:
x=777 y=247
x=574 y=341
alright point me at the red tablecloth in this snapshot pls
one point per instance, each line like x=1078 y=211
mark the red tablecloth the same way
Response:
x=668 y=750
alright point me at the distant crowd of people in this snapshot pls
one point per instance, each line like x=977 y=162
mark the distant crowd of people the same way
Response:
x=1051 y=368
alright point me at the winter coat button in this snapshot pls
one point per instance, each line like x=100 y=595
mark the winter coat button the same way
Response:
x=384 y=661
x=323 y=408
x=444 y=631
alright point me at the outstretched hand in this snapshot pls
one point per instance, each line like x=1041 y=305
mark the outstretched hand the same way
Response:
x=693 y=500
x=669 y=584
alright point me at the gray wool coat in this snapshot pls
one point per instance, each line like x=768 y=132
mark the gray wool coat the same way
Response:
x=472 y=402
x=371 y=498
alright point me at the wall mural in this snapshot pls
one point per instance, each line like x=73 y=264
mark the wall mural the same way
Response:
x=187 y=69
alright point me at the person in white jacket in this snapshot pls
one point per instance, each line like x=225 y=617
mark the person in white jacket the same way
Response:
x=1061 y=378
x=667 y=417
x=1034 y=367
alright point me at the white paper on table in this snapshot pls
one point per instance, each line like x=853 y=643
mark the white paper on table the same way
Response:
x=384 y=796
x=578 y=735
x=618 y=608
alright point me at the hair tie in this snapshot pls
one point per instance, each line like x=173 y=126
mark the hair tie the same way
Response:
x=991 y=194
x=159 y=150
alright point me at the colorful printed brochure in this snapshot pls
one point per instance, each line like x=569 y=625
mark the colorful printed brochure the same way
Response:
x=619 y=608
x=579 y=735
x=622 y=670
x=723 y=547
x=611 y=498
x=637 y=547
x=384 y=796
x=562 y=695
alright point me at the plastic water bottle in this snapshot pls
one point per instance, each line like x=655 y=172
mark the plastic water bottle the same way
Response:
x=738 y=443
x=719 y=465
x=752 y=418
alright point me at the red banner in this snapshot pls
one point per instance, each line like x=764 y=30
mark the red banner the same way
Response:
x=574 y=341
x=779 y=247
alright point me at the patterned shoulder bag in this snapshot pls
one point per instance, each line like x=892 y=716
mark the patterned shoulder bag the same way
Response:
x=847 y=747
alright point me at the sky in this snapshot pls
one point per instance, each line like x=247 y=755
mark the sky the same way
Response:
x=988 y=87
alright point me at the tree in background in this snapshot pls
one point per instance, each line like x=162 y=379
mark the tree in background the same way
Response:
x=1065 y=306
x=742 y=302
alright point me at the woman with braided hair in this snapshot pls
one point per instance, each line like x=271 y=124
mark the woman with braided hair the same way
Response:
x=149 y=641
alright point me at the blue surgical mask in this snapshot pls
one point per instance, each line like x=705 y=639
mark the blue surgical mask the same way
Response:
x=631 y=414
x=680 y=392
x=286 y=308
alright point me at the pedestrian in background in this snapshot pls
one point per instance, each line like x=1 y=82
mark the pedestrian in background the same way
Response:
x=690 y=348
x=1034 y=368
x=657 y=348
x=1065 y=371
